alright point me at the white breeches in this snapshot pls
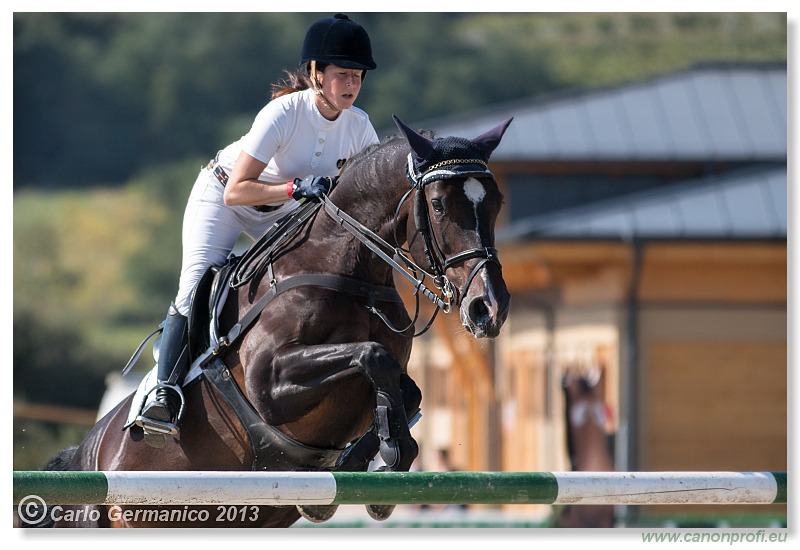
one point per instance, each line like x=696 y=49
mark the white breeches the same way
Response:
x=211 y=230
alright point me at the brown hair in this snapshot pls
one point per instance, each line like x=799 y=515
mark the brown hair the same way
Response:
x=295 y=81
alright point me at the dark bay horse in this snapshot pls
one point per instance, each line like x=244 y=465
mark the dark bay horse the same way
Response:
x=586 y=414
x=323 y=369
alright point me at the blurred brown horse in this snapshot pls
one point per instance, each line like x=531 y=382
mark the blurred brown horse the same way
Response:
x=586 y=415
x=323 y=370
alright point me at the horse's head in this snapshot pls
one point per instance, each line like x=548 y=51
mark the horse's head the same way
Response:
x=584 y=392
x=451 y=230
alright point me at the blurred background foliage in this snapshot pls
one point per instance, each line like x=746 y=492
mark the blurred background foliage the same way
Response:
x=101 y=96
x=114 y=113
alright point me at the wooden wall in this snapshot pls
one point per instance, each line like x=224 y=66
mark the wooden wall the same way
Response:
x=712 y=359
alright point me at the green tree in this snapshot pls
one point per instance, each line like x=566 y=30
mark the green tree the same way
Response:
x=100 y=97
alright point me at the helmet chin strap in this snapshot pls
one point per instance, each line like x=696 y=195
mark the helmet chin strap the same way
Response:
x=318 y=89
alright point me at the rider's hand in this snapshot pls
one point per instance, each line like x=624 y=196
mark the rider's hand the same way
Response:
x=312 y=187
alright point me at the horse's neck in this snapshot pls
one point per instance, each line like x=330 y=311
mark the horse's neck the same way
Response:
x=374 y=203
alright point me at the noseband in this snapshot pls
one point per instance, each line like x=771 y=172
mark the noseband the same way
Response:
x=438 y=261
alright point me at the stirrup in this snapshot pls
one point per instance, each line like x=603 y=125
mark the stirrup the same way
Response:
x=159 y=429
x=156 y=431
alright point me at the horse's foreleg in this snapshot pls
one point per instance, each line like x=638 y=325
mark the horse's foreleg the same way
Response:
x=300 y=377
x=398 y=449
x=357 y=456
x=412 y=397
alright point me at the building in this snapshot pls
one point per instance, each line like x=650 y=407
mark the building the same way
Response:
x=645 y=231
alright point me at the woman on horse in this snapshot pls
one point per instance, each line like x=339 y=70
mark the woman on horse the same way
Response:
x=310 y=126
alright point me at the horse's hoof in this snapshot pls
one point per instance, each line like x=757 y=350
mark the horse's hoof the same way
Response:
x=380 y=512
x=317 y=513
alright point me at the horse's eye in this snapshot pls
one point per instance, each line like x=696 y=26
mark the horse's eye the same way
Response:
x=437 y=205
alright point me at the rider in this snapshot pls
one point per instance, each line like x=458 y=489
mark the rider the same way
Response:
x=310 y=126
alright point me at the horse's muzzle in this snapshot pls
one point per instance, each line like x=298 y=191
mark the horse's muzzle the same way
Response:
x=485 y=308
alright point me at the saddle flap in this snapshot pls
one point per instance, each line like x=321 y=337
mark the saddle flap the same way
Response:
x=200 y=313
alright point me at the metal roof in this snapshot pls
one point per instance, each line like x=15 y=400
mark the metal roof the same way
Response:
x=706 y=112
x=750 y=204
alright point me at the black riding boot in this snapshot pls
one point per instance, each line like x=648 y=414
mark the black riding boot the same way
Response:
x=173 y=360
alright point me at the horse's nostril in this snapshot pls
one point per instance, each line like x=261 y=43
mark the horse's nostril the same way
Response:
x=478 y=310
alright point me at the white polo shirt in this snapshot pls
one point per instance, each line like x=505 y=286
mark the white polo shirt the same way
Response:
x=295 y=140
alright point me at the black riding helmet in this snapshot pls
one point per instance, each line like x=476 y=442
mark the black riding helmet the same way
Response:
x=339 y=41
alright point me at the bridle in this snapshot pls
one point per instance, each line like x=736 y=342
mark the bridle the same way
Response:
x=438 y=262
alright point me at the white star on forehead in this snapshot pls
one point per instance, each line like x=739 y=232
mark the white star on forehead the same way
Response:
x=474 y=191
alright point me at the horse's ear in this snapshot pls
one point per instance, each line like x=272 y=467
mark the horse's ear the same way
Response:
x=421 y=146
x=488 y=141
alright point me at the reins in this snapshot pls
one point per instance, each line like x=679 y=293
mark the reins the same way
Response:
x=381 y=248
x=258 y=261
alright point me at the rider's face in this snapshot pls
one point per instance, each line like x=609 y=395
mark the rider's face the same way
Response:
x=340 y=85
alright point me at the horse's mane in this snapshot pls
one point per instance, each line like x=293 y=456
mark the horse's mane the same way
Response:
x=388 y=142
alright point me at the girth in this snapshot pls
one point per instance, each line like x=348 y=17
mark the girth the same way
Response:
x=272 y=450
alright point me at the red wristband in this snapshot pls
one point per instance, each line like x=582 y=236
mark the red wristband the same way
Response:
x=290 y=188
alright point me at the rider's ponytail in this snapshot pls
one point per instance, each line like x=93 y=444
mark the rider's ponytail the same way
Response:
x=295 y=81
